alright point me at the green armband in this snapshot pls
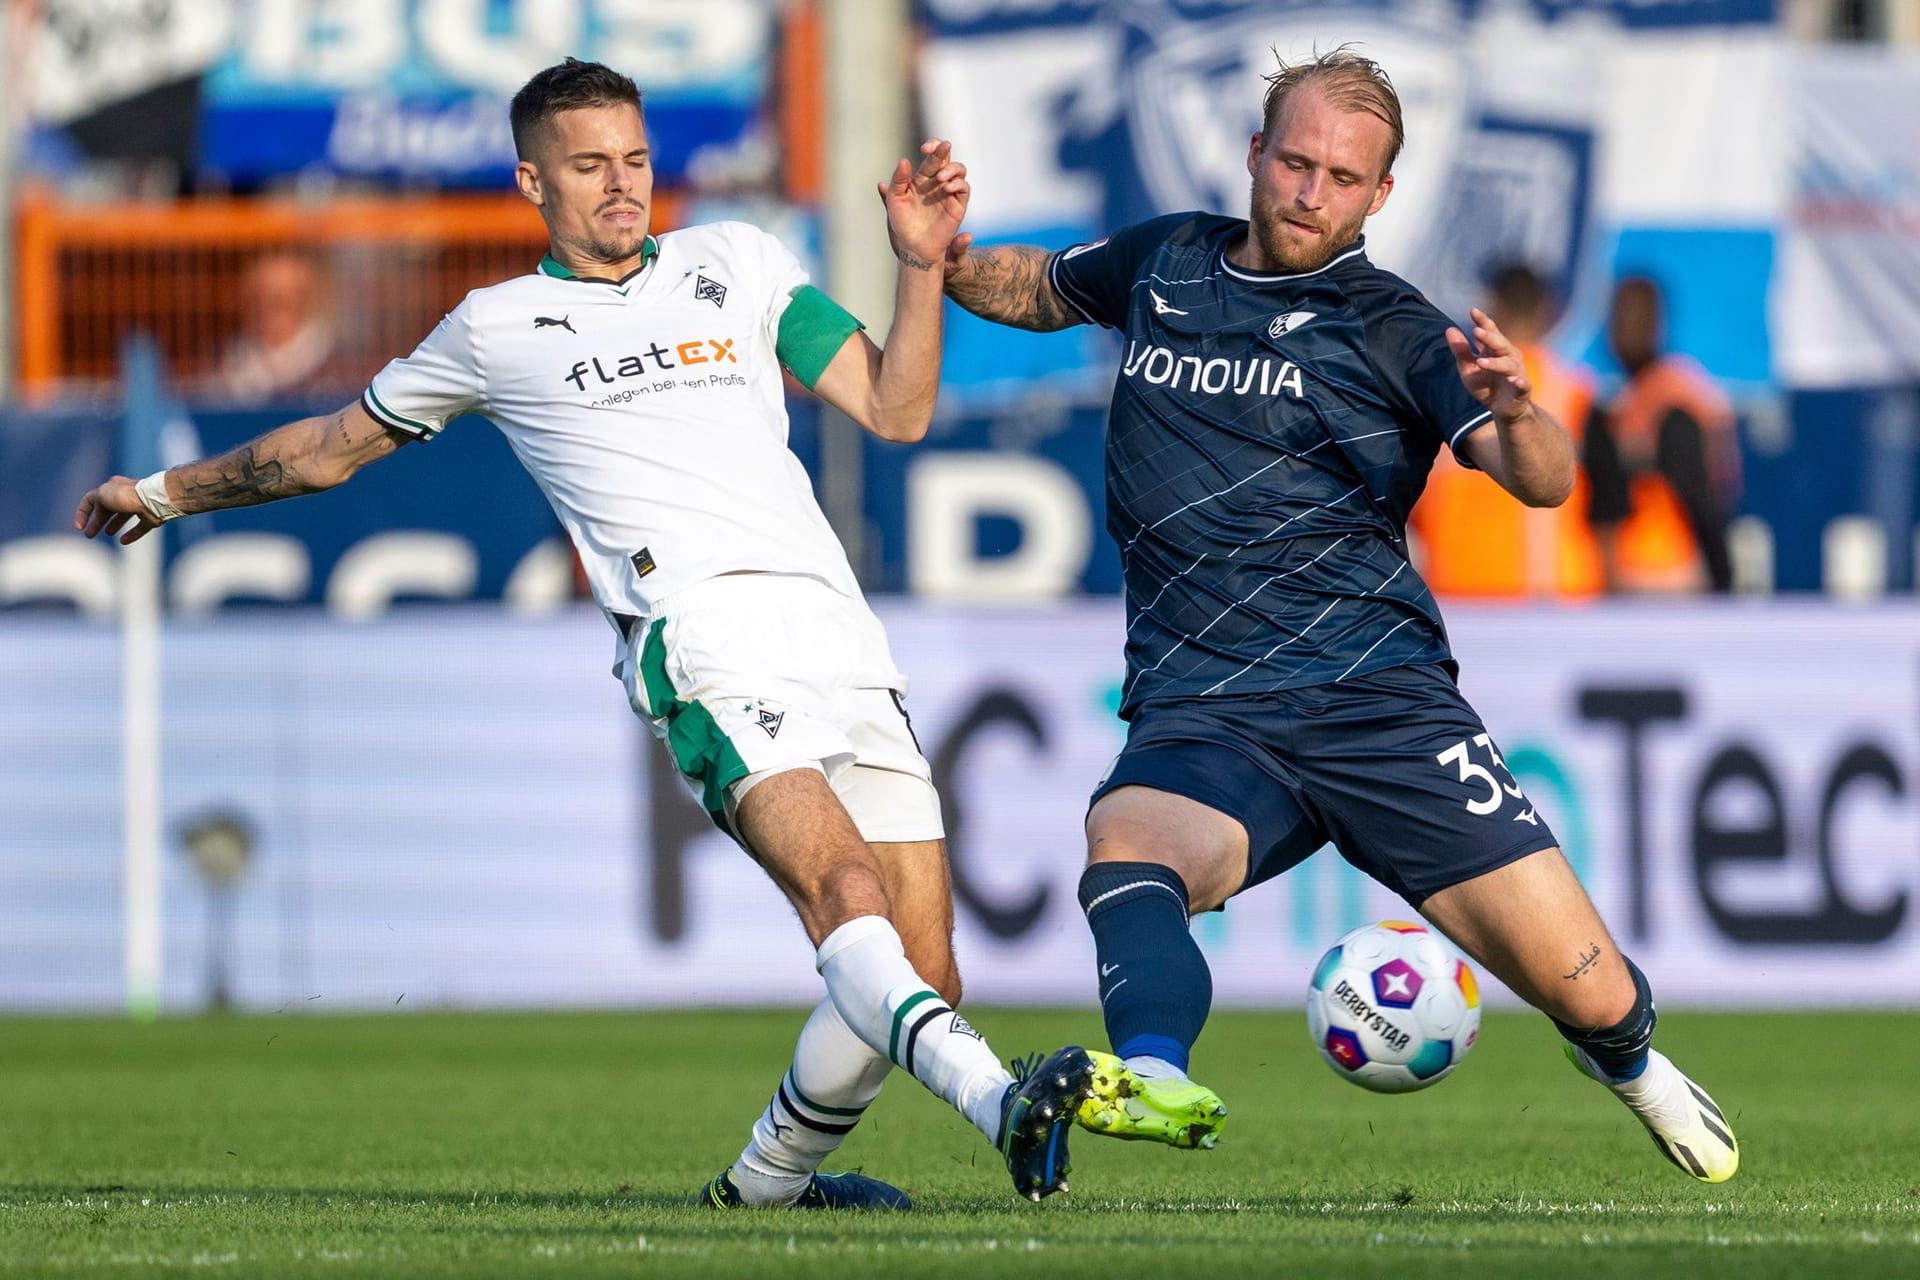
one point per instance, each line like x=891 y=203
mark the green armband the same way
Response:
x=813 y=328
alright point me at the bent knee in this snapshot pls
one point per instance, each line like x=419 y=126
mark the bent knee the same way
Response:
x=949 y=987
x=941 y=972
x=1206 y=848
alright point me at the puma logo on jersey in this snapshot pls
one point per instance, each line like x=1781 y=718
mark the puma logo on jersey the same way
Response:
x=1161 y=307
x=1287 y=323
x=710 y=291
x=548 y=322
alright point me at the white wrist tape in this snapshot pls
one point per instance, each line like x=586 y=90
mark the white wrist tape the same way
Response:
x=152 y=493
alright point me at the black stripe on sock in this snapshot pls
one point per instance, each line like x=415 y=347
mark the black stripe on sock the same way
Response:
x=906 y=1058
x=818 y=1126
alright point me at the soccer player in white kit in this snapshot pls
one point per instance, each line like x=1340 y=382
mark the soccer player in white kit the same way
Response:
x=638 y=379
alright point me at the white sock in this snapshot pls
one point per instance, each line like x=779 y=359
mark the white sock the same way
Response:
x=833 y=1079
x=887 y=1005
x=1151 y=1068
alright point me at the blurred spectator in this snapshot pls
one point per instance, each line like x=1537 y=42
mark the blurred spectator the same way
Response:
x=1478 y=540
x=1662 y=458
x=287 y=344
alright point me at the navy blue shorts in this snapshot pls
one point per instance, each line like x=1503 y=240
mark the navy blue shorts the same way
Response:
x=1394 y=768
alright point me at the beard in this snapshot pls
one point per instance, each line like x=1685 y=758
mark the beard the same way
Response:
x=613 y=245
x=1285 y=247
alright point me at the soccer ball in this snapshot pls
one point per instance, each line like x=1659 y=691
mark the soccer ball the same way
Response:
x=1392 y=1008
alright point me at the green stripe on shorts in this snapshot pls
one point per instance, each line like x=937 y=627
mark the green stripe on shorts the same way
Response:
x=700 y=750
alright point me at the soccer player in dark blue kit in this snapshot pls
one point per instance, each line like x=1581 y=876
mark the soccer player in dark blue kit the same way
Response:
x=1279 y=403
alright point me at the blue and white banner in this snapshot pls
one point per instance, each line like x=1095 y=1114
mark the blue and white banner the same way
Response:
x=452 y=807
x=1007 y=505
x=1585 y=137
x=1848 y=306
x=419 y=88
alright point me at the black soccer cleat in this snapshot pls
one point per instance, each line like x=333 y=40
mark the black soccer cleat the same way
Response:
x=823 y=1191
x=1039 y=1110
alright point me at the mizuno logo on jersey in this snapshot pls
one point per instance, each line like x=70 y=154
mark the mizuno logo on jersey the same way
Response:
x=655 y=358
x=548 y=322
x=1259 y=376
x=1287 y=323
x=710 y=291
x=1161 y=307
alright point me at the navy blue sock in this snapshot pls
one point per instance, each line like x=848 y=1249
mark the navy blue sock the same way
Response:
x=1155 y=988
x=1621 y=1049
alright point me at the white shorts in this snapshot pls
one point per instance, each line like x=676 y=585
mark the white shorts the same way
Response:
x=749 y=673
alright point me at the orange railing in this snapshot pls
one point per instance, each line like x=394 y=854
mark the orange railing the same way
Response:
x=89 y=275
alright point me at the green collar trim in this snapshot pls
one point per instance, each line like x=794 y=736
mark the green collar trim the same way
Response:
x=551 y=266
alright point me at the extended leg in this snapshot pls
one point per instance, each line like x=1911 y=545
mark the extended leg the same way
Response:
x=1533 y=926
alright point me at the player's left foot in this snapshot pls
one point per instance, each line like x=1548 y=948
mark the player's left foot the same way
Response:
x=1686 y=1125
x=1036 y=1115
x=1173 y=1109
x=824 y=1191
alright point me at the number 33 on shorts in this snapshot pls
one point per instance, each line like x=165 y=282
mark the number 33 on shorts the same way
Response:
x=1476 y=775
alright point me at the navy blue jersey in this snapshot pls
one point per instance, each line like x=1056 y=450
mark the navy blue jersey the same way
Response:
x=1268 y=436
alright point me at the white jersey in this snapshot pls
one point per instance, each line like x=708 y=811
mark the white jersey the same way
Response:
x=651 y=412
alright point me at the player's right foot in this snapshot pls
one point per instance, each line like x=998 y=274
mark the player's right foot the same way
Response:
x=1686 y=1125
x=823 y=1191
x=1036 y=1115
x=1173 y=1110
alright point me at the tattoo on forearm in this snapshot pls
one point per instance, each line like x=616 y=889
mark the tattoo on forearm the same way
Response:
x=917 y=264
x=251 y=474
x=1008 y=284
x=1587 y=962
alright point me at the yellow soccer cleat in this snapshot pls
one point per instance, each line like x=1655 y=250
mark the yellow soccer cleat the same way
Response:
x=1169 y=1109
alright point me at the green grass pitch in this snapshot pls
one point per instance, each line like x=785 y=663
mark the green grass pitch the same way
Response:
x=570 y=1145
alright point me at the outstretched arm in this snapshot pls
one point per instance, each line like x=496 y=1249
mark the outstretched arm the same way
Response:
x=1528 y=453
x=891 y=392
x=1008 y=284
x=300 y=457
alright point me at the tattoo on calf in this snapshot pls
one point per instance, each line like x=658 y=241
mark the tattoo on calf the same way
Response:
x=1587 y=962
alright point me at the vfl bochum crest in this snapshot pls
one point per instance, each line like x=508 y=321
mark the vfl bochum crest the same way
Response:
x=1283 y=324
x=710 y=291
x=1481 y=187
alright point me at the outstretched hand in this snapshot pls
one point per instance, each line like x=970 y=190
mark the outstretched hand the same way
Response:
x=114 y=508
x=1497 y=375
x=925 y=205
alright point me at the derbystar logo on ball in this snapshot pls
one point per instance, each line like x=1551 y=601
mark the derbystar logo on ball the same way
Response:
x=1392 y=1008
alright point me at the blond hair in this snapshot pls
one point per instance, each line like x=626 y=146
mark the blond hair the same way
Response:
x=1351 y=83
